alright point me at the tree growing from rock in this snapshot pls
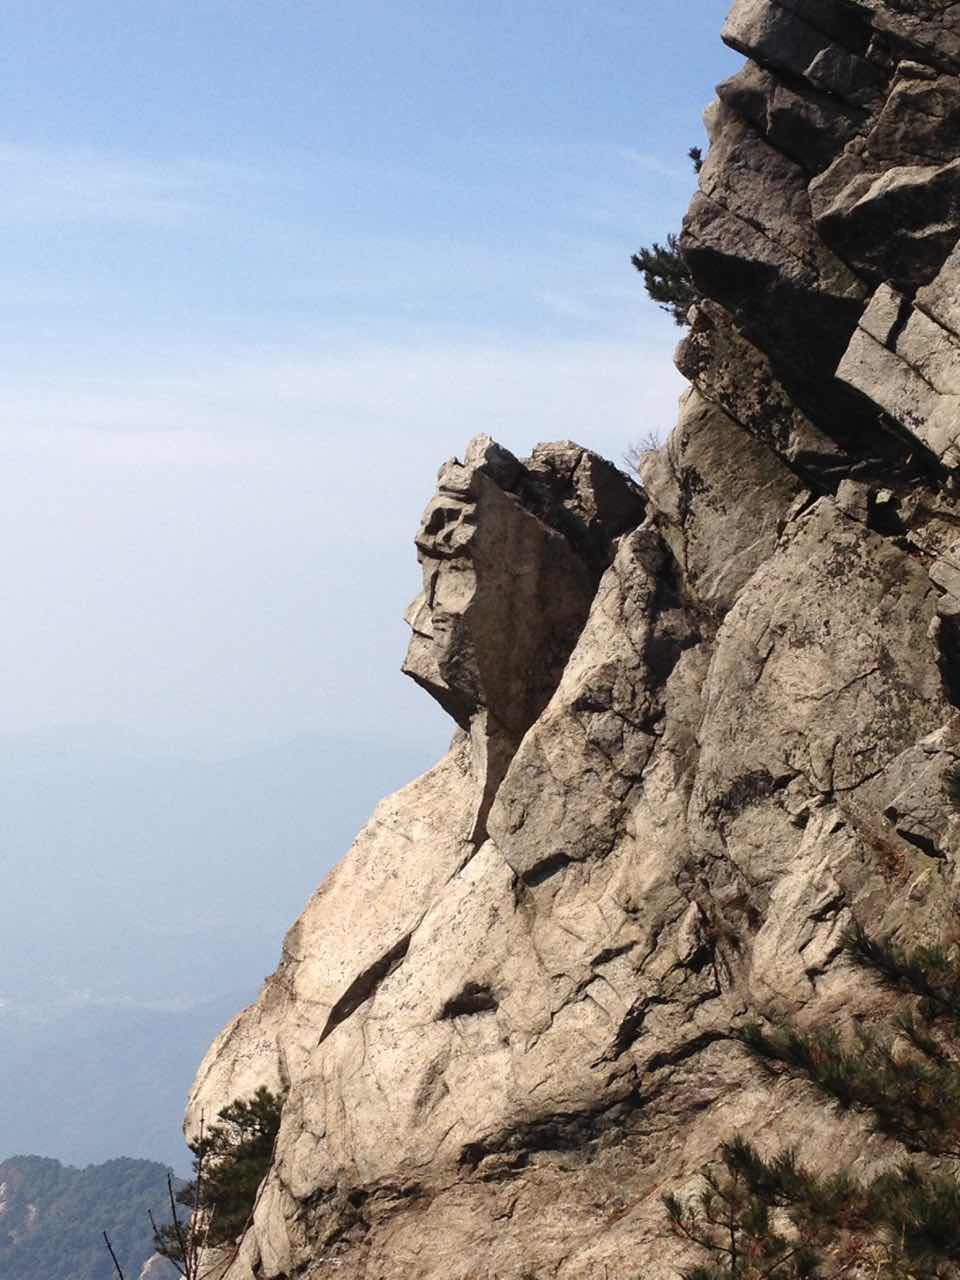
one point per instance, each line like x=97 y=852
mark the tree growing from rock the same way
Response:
x=666 y=276
x=230 y=1160
x=759 y=1217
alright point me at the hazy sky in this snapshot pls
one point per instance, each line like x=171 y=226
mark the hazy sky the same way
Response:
x=264 y=264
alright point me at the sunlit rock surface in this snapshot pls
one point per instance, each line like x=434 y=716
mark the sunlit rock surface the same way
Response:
x=701 y=725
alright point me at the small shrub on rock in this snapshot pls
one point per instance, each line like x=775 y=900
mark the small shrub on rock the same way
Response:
x=230 y=1160
x=772 y=1217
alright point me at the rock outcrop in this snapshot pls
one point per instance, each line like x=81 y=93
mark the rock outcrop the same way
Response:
x=702 y=726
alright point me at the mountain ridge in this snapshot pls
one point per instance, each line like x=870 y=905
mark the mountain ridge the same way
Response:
x=52 y=1216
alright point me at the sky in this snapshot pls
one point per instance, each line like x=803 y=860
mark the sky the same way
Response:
x=264 y=265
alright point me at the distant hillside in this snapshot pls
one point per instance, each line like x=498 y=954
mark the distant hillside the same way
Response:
x=52 y=1217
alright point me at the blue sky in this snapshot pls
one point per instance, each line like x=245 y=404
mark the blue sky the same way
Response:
x=263 y=266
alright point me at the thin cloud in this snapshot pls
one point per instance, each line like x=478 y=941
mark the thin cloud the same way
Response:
x=650 y=163
x=227 y=549
x=252 y=413
x=81 y=185
x=407 y=407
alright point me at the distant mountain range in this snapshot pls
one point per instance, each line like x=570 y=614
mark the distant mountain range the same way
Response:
x=52 y=1218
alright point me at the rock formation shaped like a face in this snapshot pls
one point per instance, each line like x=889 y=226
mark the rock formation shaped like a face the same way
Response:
x=705 y=728
x=511 y=553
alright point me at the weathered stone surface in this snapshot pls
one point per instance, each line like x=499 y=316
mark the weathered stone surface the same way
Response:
x=779 y=662
x=919 y=119
x=909 y=366
x=702 y=729
x=891 y=222
x=833 y=166
x=751 y=242
x=699 y=483
x=913 y=787
x=778 y=36
x=940 y=299
x=926 y=29
x=354 y=929
x=736 y=375
x=890 y=203
x=511 y=556
x=602 y=723
x=799 y=121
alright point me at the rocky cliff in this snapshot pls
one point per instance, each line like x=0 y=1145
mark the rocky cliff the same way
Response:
x=703 y=724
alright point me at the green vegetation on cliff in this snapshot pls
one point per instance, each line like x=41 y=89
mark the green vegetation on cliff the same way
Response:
x=758 y=1217
x=667 y=277
x=230 y=1160
x=52 y=1217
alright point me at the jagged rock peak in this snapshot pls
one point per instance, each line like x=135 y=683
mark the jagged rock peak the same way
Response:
x=833 y=172
x=702 y=729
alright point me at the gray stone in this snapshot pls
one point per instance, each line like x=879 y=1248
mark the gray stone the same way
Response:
x=890 y=202
x=940 y=299
x=511 y=557
x=699 y=484
x=737 y=376
x=701 y=729
x=910 y=367
x=805 y=125
x=776 y=36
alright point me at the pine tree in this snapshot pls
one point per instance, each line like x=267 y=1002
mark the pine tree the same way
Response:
x=667 y=278
x=773 y=1218
x=758 y=1218
x=230 y=1160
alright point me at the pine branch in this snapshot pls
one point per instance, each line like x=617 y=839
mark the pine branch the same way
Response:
x=776 y=1218
x=928 y=972
x=667 y=277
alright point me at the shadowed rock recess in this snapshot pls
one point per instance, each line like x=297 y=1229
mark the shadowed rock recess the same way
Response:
x=703 y=725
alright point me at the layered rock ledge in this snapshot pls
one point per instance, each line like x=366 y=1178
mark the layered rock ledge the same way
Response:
x=702 y=725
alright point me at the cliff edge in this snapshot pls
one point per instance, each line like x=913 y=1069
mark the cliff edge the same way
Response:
x=702 y=726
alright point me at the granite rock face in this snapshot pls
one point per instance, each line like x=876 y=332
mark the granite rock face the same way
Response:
x=511 y=555
x=702 y=725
